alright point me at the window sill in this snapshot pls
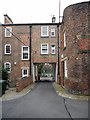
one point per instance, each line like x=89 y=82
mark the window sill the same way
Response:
x=25 y=59
x=7 y=54
x=7 y=36
x=44 y=36
x=44 y=54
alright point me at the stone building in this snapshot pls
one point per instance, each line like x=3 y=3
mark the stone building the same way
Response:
x=75 y=48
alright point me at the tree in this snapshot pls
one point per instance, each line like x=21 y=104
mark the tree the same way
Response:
x=3 y=74
x=40 y=68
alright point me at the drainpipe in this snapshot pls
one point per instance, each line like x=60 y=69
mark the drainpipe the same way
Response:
x=30 y=48
x=58 y=52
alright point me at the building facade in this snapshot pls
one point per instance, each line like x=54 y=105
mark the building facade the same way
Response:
x=75 y=48
x=64 y=45
x=27 y=45
x=0 y=51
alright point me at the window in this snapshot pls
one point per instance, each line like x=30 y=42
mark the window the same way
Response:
x=25 y=53
x=44 y=31
x=8 y=32
x=53 y=32
x=7 y=66
x=7 y=49
x=25 y=72
x=65 y=69
x=44 y=48
x=52 y=49
x=64 y=39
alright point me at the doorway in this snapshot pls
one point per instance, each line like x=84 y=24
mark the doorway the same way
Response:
x=62 y=73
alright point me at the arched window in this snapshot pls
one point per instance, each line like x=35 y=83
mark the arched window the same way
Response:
x=7 y=66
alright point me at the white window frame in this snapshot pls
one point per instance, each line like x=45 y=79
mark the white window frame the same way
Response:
x=52 y=31
x=65 y=44
x=9 y=30
x=6 y=50
x=25 y=75
x=5 y=66
x=44 y=31
x=42 y=48
x=25 y=52
x=53 y=49
x=65 y=69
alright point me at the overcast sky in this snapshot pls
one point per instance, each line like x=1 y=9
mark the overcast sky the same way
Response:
x=33 y=11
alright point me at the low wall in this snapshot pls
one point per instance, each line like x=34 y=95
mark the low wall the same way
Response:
x=22 y=83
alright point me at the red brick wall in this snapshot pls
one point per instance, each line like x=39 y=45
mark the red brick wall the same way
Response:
x=37 y=40
x=20 y=32
x=22 y=83
x=0 y=46
x=77 y=87
x=75 y=25
x=84 y=44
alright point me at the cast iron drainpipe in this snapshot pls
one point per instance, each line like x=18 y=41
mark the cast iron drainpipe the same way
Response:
x=30 y=46
x=58 y=51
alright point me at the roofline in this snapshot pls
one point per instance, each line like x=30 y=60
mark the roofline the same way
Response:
x=72 y=5
x=30 y=24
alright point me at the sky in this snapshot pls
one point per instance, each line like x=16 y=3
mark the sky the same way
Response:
x=33 y=11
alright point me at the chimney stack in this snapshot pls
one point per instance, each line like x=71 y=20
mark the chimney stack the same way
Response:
x=53 y=19
x=7 y=19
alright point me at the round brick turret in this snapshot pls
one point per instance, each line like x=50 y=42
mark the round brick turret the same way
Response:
x=75 y=25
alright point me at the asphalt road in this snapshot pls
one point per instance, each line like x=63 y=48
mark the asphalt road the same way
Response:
x=0 y=108
x=43 y=102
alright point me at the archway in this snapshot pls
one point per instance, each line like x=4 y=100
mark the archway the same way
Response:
x=45 y=72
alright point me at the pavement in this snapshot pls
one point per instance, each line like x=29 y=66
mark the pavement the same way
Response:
x=12 y=94
x=62 y=92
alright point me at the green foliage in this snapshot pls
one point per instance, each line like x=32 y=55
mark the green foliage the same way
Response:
x=40 y=68
x=4 y=74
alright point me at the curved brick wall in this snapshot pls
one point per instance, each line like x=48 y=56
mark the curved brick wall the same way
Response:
x=76 y=26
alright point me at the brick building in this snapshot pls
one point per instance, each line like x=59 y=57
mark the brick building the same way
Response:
x=44 y=46
x=75 y=48
x=0 y=50
x=27 y=45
